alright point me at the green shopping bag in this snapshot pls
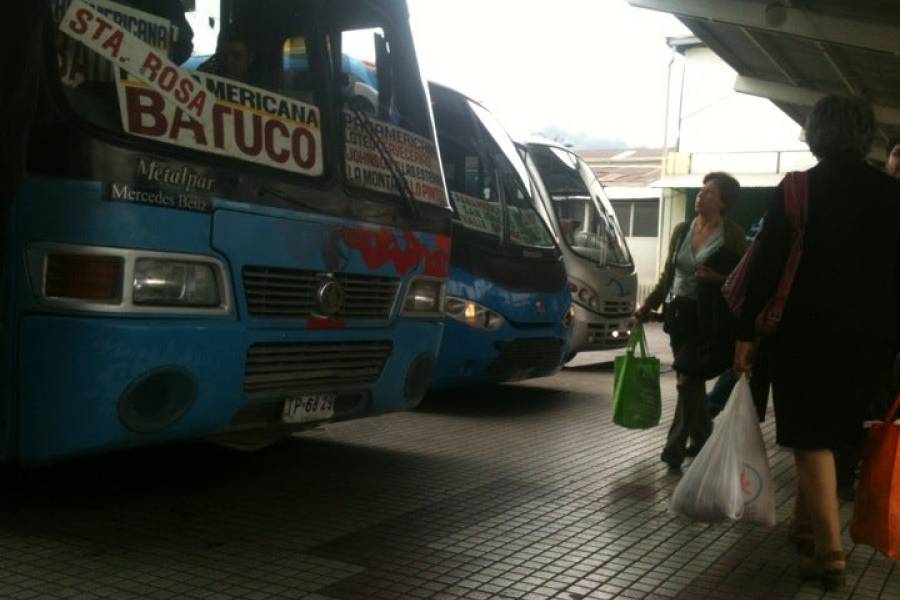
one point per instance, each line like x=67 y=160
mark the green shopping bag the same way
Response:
x=637 y=403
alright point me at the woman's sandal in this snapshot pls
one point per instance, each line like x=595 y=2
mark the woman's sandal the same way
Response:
x=832 y=578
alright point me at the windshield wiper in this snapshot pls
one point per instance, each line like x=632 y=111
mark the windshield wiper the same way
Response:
x=399 y=178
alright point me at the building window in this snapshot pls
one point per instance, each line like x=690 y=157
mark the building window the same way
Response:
x=623 y=215
x=638 y=218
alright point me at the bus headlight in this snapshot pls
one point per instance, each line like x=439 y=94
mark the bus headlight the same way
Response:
x=583 y=294
x=569 y=316
x=163 y=282
x=105 y=279
x=424 y=297
x=473 y=314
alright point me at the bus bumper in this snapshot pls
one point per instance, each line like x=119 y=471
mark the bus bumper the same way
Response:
x=90 y=384
x=596 y=332
x=471 y=356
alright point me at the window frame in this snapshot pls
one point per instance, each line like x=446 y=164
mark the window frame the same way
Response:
x=631 y=204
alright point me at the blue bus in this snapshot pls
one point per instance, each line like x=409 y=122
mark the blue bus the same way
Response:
x=232 y=249
x=509 y=313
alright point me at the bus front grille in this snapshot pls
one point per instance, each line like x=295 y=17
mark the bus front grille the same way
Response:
x=618 y=308
x=291 y=294
x=600 y=335
x=284 y=368
x=541 y=354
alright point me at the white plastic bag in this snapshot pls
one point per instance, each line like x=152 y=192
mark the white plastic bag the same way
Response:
x=730 y=478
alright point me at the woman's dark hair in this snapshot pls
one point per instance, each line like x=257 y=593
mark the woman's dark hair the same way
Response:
x=840 y=125
x=729 y=188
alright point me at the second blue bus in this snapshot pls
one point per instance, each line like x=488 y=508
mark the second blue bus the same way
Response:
x=508 y=306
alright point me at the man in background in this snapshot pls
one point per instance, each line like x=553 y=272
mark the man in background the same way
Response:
x=233 y=57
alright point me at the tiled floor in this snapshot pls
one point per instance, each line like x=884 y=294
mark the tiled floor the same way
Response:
x=518 y=491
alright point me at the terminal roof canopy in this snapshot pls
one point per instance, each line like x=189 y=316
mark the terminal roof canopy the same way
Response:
x=793 y=52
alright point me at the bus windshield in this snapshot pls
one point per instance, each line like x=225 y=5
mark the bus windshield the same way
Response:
x=587 y=224
x=250 y=81
x=524 y=223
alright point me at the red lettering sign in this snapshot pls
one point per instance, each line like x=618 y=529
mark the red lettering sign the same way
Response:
x=138 y=58
x=232 y=131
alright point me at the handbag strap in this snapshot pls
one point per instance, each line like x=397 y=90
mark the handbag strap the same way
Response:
x=637 y=337
x=796 y=199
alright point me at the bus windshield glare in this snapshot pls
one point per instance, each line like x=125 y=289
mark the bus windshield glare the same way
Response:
x=586 y=223
x=524 y=223
x=475 y=189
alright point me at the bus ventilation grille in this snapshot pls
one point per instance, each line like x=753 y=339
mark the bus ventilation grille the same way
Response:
x=283 y=369
x=543 y=354
x=618 y=308
x=291 y=294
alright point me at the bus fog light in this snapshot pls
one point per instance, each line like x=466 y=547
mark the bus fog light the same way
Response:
x=175 y=283
x=424 y=296
x=157 y=399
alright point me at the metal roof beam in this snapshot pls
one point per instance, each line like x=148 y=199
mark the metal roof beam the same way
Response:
x=790 y=94
x=839 y=70
x=791 y=21
x=775 y=60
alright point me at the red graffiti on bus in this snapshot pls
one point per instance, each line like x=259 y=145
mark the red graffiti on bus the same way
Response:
x=379 y=246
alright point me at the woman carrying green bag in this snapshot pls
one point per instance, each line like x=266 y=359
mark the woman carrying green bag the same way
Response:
x=701 y=254
x=637 y=402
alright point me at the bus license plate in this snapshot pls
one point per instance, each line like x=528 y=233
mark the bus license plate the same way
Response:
x=303 y=409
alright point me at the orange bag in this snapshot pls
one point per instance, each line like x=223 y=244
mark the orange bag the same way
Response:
x=876 y=514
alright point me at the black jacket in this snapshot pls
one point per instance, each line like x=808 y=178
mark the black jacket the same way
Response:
x=847 y=286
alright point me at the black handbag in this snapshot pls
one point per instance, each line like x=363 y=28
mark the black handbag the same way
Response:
x=680 y=317
x=706 y=326
x=695 y=354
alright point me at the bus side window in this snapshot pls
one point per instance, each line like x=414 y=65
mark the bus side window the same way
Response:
x=471 y=186
x=359 y=65
x=297 y=80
